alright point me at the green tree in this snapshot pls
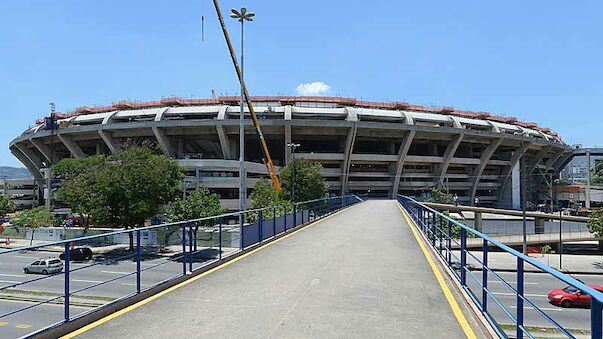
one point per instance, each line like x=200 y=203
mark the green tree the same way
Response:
x=264 y=196
x=199 y=204
x=83 y=184
x=121 y=190
x=440 y=197
x=595 y=223
x=309 y=184
x=6 y=205
x=33 y=218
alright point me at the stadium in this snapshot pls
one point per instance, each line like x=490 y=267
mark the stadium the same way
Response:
x=364 y=147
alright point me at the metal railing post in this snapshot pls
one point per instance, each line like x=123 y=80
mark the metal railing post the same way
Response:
x=67 y=289
x=449 y=242
x=190 y=247
x=286 y=217
x=433 y=229
x=519 y=330
x=260 y=225
x=441 y=233
x=463 y=256
x=137 y=261
x=294 y=215
x=274 y=221
x=596 y=312
x=220 y=238
x=485 y=276
x=183 y=249
x=241 y=229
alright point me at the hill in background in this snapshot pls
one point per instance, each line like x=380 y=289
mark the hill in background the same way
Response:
x=9 y=172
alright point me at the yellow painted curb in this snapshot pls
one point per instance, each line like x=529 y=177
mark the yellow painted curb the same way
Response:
x=458 y=314
x=193 y=279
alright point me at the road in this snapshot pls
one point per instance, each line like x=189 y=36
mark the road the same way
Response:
x=536 y=287
x=83 y=275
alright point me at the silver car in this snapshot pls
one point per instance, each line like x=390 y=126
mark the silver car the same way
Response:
x=44 y=266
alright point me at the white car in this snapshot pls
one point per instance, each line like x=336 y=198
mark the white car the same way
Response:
x=44 y=266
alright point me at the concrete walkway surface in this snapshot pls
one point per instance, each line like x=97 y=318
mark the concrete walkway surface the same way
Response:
x=358 y=274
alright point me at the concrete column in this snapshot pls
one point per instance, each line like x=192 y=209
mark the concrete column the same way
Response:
x=478 y=221
x=515 y=187
x=539 y=225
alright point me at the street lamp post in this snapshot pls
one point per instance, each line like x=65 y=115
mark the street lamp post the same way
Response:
x=293 y=147
x=242 y=15
x=522 y=185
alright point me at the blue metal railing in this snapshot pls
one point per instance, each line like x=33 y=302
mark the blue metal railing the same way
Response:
x=438 y=230
x=179 y=251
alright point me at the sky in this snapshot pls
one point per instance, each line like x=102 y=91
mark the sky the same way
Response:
x=537 y=60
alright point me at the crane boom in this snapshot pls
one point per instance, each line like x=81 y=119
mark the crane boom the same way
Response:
x=256 y=123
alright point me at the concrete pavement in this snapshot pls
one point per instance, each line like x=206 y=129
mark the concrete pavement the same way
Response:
x=328 y=280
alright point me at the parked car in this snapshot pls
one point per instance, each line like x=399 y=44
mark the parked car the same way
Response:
x=78 y=254
x=44 y=266
x=571 y=296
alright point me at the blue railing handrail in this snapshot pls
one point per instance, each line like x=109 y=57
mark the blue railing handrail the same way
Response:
x=296 y=216
x=175 y=223
x=557 y=274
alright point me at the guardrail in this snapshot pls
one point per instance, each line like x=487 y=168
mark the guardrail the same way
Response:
x=438 y=230
x=147 y=257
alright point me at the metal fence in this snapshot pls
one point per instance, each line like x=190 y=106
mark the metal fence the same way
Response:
x=127 y=262
x=515 y=227
x=438 y=229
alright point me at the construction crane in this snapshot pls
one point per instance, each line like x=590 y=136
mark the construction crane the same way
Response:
x=256 y=123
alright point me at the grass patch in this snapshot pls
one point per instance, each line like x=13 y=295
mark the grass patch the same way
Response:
x=542 y=331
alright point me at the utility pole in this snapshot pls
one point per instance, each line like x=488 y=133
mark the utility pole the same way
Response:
x=242 y=16
x=52 y=122
x=588 y=169
x=523 y=201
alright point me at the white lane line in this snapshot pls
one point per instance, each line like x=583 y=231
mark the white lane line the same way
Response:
x=25 y=257
x=543 y=308
x=525 y=294
x=130 y=284
x=511 y=282
x=116 y=272
x=87 y=281
x=12 y=275
x=9 y=282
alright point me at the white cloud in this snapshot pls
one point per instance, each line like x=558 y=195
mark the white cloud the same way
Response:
x=312 y=88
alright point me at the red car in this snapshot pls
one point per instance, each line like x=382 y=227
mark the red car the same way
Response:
x=571 y=296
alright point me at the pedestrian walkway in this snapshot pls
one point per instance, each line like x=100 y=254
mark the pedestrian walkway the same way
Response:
x=357 y=274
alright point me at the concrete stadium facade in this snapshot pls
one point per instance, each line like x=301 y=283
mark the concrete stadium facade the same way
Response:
x=381 y=148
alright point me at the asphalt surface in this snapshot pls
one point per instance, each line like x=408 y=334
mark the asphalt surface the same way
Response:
x=103 y=270
x=536 y=287
x=391 y=239
x=327 y=281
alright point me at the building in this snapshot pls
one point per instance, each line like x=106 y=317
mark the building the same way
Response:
x=381 y=148
x=24 y=192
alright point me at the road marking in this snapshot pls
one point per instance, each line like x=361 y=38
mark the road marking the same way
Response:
x=116 y=272
x=12 y=275
x=25 y=257
x=191 y=280
x=9 y=281
x=2 y=323
x=542 y=308
x=130 y=284
x=511 y=282
x=23 y=326
x=525 y=294
x=87 y=281
x=456 y=310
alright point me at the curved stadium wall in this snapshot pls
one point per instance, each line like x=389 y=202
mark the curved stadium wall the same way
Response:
x=380 y=148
